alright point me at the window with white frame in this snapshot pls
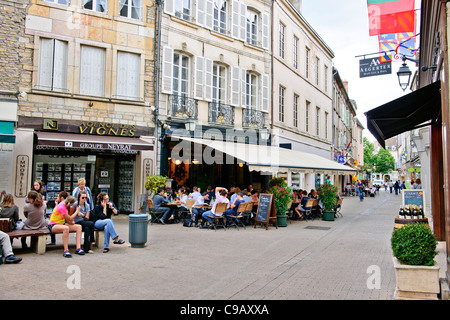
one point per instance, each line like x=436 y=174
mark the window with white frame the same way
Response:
x=128 y=75
x=66 y=2
x=96 y=5
x=52 y=73
x=308 y=105
x=92 y=71
x=219 y=83
x=183 y=9
x=251 y=93
x=295 y=52
x=130 y=9
x=281 y=98
x=282 y=31
x=317 y=121
x=221 y=16
x=326 y=125
x=326 y=78
x=317 y=70
x=296 y=99
x=180 y=74
x=307 y=53
x=252 y=27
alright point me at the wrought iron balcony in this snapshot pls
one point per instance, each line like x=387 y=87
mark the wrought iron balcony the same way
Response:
x=252 y=119
x=183 y=107
x=220 y=113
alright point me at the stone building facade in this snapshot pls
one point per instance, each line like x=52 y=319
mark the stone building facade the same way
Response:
x=87 y=69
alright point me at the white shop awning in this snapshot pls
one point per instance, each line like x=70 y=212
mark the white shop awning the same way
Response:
x=272 y=159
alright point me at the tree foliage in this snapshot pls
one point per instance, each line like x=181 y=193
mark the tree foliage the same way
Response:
x=382 y=162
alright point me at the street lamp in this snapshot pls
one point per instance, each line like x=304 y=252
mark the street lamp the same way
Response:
x=190 y=125
x=404 y=75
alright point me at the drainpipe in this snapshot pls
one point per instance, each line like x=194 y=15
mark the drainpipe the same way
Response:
x=333 y=102
x=271 y=66
x=157 y=70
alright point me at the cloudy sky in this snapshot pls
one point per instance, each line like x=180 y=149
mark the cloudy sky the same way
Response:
x=344 y=26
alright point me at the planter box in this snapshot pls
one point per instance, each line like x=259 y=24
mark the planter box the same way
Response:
x=416 y=282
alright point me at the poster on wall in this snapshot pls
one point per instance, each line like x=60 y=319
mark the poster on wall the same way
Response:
x=6 y=166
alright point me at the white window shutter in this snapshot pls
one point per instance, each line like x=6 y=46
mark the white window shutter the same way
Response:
x=167 y=70
x=169 y=7
x=128 y=75
x=265 y=94
x=243 y=23
x=60 y=66
x=92 y=71
x=45 y=63
x=208 y=79
x=235 y=85
x=235 y=20
x=209 y=13
x=243 y=87
x=199 y=77
x=265 y=31
x=201 y=12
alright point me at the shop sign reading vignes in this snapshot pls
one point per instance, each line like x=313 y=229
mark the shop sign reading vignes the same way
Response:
x=107 y=129
x=97 y=128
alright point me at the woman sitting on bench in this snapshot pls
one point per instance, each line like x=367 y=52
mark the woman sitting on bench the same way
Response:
x=61 y=221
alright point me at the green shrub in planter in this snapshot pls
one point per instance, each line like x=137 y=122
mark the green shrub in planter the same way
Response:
x=414 y=244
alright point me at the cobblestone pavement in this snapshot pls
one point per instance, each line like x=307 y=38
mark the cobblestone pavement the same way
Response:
x=344 y=260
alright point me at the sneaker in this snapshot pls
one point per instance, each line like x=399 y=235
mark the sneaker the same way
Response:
x=80 y=252
x=67 y=254
x=12 y=259
x=162 y=221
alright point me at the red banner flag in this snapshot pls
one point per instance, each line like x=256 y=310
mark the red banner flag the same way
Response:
x=391 y=16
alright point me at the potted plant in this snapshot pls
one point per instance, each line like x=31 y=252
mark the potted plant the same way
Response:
x=328 y=196
x=153 y=183
x=283 y=196
x=414 y=249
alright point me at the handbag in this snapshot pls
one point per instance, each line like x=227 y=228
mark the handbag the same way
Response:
x=6 y=225
x=187 y=222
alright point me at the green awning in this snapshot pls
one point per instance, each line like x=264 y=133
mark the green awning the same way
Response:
x=7 y=132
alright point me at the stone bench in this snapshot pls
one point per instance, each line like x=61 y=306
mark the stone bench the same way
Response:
x=39 y=238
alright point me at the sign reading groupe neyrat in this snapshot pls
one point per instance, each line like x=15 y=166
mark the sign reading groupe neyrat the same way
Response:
x=373 y=67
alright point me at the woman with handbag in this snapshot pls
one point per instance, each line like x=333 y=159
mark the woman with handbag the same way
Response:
x=8 y=209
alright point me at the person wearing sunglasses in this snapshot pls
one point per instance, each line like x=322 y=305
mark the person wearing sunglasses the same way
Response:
x=83 y=219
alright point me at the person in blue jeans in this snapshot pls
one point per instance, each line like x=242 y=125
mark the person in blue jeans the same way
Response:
x=159 y=201
x=101 y=217
x=360 y=189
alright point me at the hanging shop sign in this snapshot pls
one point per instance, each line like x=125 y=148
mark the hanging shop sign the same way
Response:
x=373 y=67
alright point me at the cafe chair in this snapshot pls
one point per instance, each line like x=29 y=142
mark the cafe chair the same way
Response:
x=236 y=220
x=316 y=210
x=184 y=213
x=218 y=221
x=248 y=213
x=337 y=209
x=154 y=215
x=308 y=209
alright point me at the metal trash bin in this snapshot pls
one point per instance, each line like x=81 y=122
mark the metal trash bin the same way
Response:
x=137 y=235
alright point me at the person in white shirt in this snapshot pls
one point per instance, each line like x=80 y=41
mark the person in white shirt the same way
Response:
x=221 y=197
x=196 y=193
x=198 y=208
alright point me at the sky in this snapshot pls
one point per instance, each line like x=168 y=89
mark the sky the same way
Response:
x=344 y=26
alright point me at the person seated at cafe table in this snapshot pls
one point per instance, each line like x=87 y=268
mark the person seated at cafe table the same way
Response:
x=198 y=207
x=159 y=201
x=234 y=207
x=221 y=197
x=181 y=201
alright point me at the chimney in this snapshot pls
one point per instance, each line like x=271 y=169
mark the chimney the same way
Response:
x=297 y=4
x=345 y=82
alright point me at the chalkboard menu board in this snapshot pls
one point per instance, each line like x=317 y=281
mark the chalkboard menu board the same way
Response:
x=414 y=197
x=266 y=209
